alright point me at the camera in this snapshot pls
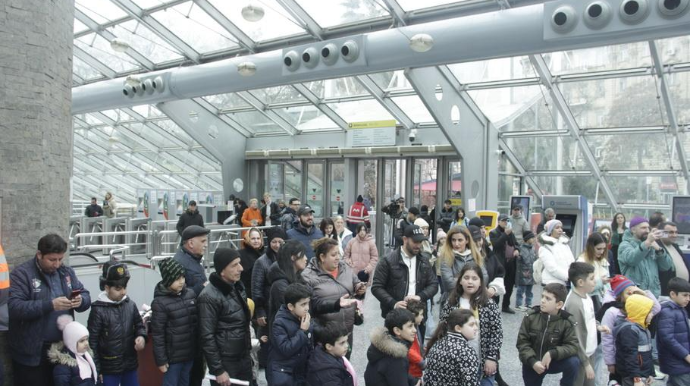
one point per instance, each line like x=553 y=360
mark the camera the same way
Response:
x=413 y=135
x=391 y=209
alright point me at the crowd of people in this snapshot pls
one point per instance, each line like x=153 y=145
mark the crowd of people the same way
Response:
x=289 y=300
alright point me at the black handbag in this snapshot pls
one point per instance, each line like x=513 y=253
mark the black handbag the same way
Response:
x=359 y=317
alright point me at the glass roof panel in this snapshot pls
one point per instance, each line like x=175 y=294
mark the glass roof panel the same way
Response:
x=255 y=122
x=571 y=185
x=337 y=88
x=540 y=114
x=680 y=95
x=101 y=11
x=674 y=50
x=280 y=94
x=622 y=102
x=646 y=189
x=307 y=118
x=145 y=42
x=99 y=48
x=414 y=108
x=410 y=5
x=226 y=101
x=634 y=151
x=501 y=105
x=79 y=26
x=343 y=11
x=518 y=67
x=391 y=80
x=148 y=111
x=275 y=23
x=150 y=3
x=547 y=153
x=360 y=111
x=195 y=27
x=85 y=71
x=616 y=57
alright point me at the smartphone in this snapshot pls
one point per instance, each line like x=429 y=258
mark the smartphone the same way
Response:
x=75 y=293
x=664 y=234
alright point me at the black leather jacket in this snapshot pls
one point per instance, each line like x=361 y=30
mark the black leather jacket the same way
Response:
x=223 y=324
x=391 y=280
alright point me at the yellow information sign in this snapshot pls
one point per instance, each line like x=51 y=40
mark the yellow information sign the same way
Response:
x=456 y=201
x=372 y=124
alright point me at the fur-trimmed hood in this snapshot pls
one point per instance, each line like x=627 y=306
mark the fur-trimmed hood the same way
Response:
x=545 y=239
x=58 y=354
x=384 y=345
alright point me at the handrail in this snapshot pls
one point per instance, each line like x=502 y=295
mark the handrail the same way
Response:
x=122 y=250
x=121 y=233
x=128 y=262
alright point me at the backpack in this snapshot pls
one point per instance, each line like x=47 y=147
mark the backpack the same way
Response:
x=537 y=267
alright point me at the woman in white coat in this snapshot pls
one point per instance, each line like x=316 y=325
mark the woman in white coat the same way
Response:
x=555 y=254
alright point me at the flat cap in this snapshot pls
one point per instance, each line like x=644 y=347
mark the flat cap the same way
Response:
x=193 y=231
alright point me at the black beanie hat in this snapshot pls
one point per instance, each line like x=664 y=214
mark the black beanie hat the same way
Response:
x=274 y=232
x=360 y=198
x=171 y=270
x=223 y=257
x=476 y=221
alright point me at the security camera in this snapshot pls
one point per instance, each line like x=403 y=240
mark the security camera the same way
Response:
x=413 y=135
x=500 y=152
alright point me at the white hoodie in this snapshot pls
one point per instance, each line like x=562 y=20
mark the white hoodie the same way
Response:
x=556 y=257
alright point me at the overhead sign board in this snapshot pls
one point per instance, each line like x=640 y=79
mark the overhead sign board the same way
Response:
x=371 y=133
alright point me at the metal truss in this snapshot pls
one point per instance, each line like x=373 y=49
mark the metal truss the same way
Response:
x=302 y=17
x=542 y=69
x=670 y=111
x=232 y=124
x=324 y=108
x=159 y=29
x=93 y=62
x=242 y=39
x=269 y=114
x=384 y=100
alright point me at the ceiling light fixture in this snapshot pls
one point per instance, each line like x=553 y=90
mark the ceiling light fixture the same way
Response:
x=246 y=68
x=253 y=13
x=119 y=45
x=421 y=42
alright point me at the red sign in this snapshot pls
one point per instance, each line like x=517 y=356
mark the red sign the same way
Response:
x=313 y=198
x=337 y=198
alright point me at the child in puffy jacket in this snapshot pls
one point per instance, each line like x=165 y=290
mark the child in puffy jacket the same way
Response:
x=634 y=360
x=174 y=324
x=116 y=331
x=72 y=358
x=673 y=334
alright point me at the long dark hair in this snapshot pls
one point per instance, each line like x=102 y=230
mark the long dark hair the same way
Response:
x=456 y=318
x=457 y=213
x=324 y=224
x=480 y=298
x=592 y=241
x=285 y=262
x=614 y=223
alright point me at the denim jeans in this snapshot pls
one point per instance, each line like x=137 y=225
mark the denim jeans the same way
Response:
x=678 y=380
x=488 y=381
x=568 y=366
x=525 y=290
x=123 y=379
x=178 y=374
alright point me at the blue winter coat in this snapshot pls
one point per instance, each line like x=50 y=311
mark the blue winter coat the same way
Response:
x=194 y=273
x=290 y=349
x=673 y=339
x=633 y=350
x=30 y=305
x=327 y=370
x=305 y=236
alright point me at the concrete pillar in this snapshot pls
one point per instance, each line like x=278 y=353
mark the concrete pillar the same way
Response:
x=35 y=127
x=35 y=122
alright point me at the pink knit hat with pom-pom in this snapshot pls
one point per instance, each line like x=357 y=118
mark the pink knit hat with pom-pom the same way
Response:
x=72 y=331
x=440 y=234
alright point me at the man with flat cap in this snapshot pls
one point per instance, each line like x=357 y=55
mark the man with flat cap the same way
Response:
x=224 y=319
x=405 y=274
x=194 y=241
x=304 y=230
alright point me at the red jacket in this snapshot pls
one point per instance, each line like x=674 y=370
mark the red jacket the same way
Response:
x=358 y=213
x=414 y=356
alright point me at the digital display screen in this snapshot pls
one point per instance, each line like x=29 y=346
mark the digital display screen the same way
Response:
x=488 y=220
x=681 y=214
x=522 y=201
x=568 y=221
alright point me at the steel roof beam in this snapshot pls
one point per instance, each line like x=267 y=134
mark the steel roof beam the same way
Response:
x=232 y=123
x=396 y=11
x=318 y=103
x=477 y=37
x=670 y=111
x=268 y=114
x=93 y=62
x=159 y=29
x=387 y=103
x=109 y=36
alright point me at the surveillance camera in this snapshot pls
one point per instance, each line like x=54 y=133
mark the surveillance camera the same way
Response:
x=413 y=135
x=500 y=152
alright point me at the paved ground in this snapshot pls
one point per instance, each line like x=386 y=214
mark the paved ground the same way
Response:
x=510 y=364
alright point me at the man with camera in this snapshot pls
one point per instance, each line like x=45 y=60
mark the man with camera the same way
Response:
x=681 y=264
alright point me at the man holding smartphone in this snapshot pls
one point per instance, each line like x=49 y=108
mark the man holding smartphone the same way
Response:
x=640 y=256
x=681 y=265
x=41 y=289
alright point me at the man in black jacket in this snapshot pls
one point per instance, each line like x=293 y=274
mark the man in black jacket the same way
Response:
x=191 y=216
x=224 y=321
x=270 y=212
x=93 y=210
x=400 y=226
x=405 y=274
x=502 y=239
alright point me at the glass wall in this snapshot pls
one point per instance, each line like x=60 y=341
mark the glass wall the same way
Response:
x=424 y=192
x=337 y=181
x=314 y=191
